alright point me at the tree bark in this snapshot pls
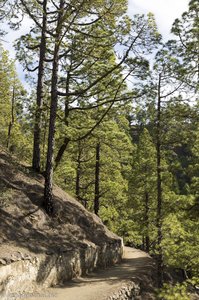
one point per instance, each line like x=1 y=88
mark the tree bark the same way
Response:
x=147 y=238
x=12 y=117
x=36 y=160
x=48 y=192
x=78 y=173
x=61 y=151
x=63 y=147
x=44 y=139
x=97 y=180
x=159 y=191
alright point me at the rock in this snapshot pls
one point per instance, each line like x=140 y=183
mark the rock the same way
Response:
x=84 y=222
x=27 y=257
x=8 y=261
x=13 y=259
x=3 y=261
x=49 y=252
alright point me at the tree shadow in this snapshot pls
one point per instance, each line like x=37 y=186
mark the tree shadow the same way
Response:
x=139 y=270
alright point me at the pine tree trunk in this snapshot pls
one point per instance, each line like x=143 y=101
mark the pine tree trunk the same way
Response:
x=147 y=238
x=61 y=151
x=45 y=131
x=12 y=118
x=48 y=192
x=63 y=147
x=39 y=103
x=97 y=180
x=159 y=192
x=78 y=173
x=77 y=188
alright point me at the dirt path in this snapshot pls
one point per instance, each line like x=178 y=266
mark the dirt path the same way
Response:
x=102 y=283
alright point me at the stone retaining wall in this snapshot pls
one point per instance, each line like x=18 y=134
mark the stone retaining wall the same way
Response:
x=130 y=291
x=25 y=273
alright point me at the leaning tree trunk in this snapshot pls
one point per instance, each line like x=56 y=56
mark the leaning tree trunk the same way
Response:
x=61 y=151
x=36 y=160
x=48 y=192
x=159 y=192
x=97 y=180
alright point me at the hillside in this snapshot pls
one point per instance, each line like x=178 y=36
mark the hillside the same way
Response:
x=36 y=249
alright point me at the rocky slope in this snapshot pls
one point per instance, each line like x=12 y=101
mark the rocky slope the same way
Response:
x=38 y=250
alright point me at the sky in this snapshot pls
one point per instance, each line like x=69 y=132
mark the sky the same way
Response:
x=8 y=41
x=165 y=11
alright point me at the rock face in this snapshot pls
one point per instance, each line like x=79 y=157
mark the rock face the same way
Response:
x=37 y=250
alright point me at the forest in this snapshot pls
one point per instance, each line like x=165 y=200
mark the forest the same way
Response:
x=111 y=115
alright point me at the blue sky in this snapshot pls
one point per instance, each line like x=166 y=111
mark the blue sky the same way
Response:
x=165 y=11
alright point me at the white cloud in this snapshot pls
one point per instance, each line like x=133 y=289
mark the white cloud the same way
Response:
x=165 y=11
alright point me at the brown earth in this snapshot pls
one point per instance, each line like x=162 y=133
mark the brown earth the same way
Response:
x=24 y=225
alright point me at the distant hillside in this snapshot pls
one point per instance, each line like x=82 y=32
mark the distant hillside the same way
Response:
x=43 y=250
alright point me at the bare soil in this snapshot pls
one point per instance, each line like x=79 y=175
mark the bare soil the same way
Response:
x=24 y=225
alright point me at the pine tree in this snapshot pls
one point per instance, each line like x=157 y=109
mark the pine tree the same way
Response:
x=142 y=189
x=186 y=30
x=169 y=80
x=12 y=101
